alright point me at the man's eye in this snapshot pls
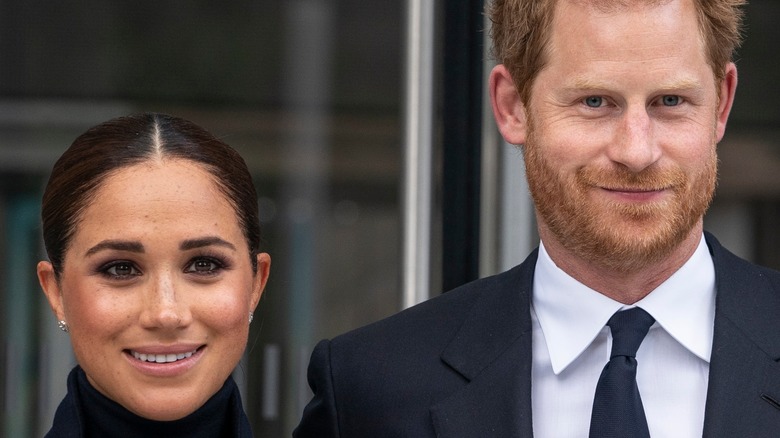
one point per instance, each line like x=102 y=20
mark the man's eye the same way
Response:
x=594 y=101
x=670 y=100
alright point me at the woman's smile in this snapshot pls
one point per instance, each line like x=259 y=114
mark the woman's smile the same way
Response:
x=171 y=292
x=162 y=357
x=165 y=365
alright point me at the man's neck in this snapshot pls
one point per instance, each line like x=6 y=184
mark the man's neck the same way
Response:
x=624 y=287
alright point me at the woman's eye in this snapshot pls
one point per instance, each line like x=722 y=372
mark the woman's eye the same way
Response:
x=670 y=100
x=594 y=101
x=203 y=266
x=121 y=270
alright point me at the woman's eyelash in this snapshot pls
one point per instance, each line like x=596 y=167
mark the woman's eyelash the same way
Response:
x=119 y=269
x=199 y=265
x=205 y=265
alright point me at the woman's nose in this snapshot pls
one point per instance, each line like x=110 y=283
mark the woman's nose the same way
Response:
x=165 y=306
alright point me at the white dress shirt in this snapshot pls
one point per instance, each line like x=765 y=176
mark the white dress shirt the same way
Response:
x=571 y=345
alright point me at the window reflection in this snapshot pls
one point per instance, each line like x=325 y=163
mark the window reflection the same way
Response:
x=308 y=92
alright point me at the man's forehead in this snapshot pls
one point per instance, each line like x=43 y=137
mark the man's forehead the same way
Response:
x=612 y=6
x=614 y=40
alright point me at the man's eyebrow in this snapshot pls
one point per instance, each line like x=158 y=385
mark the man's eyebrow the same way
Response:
x=682 y=84
x=586 y=84
x=591 y=84
x=117 y=245
x=205 y=241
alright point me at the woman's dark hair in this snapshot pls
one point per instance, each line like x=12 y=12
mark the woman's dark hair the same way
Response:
x=123 y=142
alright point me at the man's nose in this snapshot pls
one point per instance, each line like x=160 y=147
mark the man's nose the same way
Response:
x=635 y=144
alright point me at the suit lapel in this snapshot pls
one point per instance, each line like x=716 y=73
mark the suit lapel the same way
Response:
x=492 y=350
x=743 y=397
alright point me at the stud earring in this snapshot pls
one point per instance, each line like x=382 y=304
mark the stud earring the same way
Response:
x=251 y=317
x=62 y=325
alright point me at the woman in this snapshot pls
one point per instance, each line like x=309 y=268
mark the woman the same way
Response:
x=151 y=229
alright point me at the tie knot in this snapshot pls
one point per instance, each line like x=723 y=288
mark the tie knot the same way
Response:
x=629 y=328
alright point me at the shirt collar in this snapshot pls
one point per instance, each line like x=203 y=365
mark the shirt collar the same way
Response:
x=571 y=314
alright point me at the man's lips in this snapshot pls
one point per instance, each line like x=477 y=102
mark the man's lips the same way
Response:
x=634 y=189
x=635 y=194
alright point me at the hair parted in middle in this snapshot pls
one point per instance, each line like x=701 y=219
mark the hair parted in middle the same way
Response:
x=126 y=141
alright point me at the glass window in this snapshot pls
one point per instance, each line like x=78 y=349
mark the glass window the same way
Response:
x=307 y=90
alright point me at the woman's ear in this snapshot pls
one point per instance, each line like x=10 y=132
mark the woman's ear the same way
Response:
x=508 y=109
x=261 y=278
x=51 y=288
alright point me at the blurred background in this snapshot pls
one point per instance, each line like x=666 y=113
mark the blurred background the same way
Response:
x=379 y=170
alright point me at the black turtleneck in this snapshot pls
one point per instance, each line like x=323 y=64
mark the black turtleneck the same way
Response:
x=87 y=413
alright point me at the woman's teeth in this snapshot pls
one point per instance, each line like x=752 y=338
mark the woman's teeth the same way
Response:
x=162 y=358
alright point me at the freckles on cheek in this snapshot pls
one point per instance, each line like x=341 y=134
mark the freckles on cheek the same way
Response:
x=101 y=313
x=226 y=314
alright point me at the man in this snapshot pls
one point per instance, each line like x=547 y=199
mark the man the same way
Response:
x=619 y=106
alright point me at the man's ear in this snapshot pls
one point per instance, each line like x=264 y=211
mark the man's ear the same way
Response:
x=508 y=109
x=727 y=89
x=51 y=288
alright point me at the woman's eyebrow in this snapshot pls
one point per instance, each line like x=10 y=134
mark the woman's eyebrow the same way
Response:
x=205 y=241
x=118 y=245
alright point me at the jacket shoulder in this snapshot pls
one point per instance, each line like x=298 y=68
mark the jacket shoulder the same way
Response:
x=748 y=296
x=395 y=367
x=434 y=320
x=732 y=267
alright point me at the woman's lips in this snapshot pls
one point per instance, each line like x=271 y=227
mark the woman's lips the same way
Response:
x=161 y=358
x=159 y=362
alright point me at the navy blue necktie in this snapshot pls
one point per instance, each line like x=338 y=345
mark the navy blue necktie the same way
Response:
x=617 y=406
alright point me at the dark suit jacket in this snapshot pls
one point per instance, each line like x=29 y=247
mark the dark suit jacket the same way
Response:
x=459 y=365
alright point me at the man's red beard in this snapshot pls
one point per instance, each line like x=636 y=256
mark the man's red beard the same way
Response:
x=620 y=236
